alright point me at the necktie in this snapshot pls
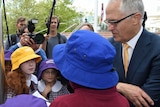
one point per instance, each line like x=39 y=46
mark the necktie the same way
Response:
x=125 y=60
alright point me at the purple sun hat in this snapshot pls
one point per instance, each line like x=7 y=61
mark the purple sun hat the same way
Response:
x=7 y=55
x=24 y=100
x=49 y=63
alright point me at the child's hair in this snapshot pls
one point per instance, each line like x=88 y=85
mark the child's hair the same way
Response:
x=63 y=80
x=16 y=80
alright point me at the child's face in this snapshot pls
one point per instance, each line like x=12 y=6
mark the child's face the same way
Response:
x=8 y=66
x=49 y=75
x=28 y=67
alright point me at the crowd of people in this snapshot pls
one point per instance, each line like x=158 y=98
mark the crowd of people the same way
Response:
x=86 y=70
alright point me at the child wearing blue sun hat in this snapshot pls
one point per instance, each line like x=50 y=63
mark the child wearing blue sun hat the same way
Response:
x=86 y=60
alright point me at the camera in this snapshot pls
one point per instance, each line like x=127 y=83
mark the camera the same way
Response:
x=38 y=38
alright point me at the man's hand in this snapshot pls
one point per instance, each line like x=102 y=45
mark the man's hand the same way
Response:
x=33 y=45
x=25 y=39
x=43 y=45
x=46 y=37
x=135 y=94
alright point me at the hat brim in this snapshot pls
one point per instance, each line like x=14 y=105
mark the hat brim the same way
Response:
x=7 y=59
x=79 y=75
x=44 y=68
x=27 y=58
x=25 y=100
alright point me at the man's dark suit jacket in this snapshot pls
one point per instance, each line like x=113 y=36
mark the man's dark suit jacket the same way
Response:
x=144 y=67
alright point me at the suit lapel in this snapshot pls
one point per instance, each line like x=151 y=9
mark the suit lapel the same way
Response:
x=118 y=62
x=138 y=55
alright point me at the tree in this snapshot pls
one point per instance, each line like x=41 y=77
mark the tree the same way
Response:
x=40 y=10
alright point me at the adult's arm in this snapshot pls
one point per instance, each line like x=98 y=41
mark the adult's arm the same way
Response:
x=135 y=94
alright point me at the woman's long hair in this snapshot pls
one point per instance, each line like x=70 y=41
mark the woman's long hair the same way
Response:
x=16 y=81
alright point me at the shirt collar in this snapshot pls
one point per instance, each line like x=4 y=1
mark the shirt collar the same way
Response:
x=133 y=41
x=55 y=88
x=32 y=78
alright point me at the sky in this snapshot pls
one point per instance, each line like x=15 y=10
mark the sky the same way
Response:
x=151 y=6
x=88 y=5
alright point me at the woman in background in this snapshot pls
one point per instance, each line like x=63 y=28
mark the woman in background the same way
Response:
x=87 y=26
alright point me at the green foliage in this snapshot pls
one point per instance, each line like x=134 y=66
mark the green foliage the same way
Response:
x=40 y=10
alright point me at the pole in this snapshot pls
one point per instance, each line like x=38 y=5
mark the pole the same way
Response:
x=96 y=16
x=50 y=17
x=1 y=61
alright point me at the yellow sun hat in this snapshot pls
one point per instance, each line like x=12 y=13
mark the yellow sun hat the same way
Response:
x=22 y=55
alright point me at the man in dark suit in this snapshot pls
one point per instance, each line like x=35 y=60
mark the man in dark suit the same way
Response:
x=140 y=81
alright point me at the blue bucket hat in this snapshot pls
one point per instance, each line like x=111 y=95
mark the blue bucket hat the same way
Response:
x=87 y=59
x=49 y=63
x=24 y=100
